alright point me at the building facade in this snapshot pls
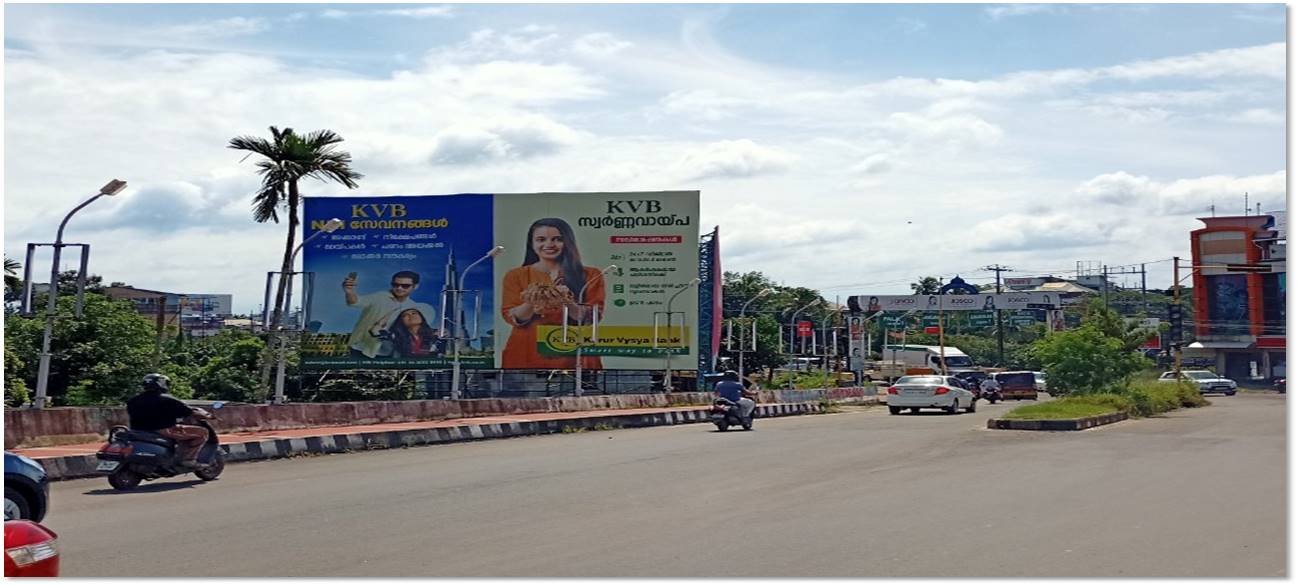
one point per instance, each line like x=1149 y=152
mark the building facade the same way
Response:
x=1239 y=313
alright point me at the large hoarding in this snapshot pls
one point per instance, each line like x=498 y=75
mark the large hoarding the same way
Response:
x=380 y=282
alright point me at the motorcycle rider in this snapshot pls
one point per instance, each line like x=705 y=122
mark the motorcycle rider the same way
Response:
x=155 y=411
x=730 y=389
x=990 y=385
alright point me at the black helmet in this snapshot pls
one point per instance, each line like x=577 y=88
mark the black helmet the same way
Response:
x=157 y=382
x=731 y=375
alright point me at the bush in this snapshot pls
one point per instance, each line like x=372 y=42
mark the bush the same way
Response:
x=1073 y=407
x=1086 y=360
x=1152 y=398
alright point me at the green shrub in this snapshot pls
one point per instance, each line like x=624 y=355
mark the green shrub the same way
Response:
x=1150 y=398
x=1080 y=406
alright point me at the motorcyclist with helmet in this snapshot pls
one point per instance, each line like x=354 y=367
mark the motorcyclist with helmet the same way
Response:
x=155 y=411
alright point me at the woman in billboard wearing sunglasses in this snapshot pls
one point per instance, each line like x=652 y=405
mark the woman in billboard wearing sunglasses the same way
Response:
x=537 y=292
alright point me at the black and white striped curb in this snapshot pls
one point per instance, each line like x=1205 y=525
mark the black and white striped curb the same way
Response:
x=1072 y=424
x=77 y=466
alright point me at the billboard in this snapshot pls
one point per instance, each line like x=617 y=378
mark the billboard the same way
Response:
x=385 y=284
x=979 y=302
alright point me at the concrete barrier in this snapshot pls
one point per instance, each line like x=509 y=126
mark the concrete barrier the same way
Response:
x=1072 y=424
x=79 y=466
x=71 y=425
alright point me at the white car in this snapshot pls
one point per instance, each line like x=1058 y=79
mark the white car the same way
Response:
x=1039 y=380
x=916 y=392
x=1205 y=380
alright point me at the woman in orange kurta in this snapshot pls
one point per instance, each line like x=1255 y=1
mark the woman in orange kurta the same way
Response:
x=552 y=258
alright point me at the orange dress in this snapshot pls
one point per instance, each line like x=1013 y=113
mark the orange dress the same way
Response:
x=520 y=351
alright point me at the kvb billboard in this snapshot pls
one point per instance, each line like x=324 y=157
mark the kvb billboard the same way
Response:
x=380 y=299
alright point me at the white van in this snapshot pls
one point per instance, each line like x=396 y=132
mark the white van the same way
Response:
x=928 y=356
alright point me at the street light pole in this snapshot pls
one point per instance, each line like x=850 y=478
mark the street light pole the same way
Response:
x=459 y=320
x=330 y=227
x=793 y=323
x=113 y=187
x=667 y=374
x=742 y=310
x=581 y=296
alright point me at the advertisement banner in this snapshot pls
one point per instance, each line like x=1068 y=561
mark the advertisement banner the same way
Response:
x=856 y=343
x=385 y=283
x=979 y=302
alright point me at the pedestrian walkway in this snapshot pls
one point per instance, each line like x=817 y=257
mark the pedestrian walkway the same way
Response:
x=71 y=461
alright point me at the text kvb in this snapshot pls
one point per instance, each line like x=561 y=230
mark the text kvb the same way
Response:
x=378 y=210
x=635 y=206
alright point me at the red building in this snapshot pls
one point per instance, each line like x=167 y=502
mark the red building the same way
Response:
x=1239 y=317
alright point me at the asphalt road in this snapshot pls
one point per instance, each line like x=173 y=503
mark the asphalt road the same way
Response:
x=1197 y=493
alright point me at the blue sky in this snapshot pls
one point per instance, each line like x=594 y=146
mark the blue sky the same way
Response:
x=821 y=136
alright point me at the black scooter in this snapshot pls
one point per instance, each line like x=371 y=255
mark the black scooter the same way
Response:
x=990 y=395
x=130 y=457
x=725 y=413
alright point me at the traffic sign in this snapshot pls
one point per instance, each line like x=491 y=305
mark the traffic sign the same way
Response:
x=804 y=328
x=932 y=330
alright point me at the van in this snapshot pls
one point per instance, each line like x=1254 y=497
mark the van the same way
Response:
x=928 y=356
x=1017 y=385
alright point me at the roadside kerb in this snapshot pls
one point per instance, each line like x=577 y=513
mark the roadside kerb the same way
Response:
x=1072 y=424
x=80 y=465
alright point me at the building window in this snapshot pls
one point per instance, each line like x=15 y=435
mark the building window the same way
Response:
x=1273 y=310
x=1227 y=304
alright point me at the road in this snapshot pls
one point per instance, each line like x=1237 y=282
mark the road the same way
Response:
x=1197 y=493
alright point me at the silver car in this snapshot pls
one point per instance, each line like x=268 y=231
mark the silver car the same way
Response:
x=1205 y=380
x=916 y=392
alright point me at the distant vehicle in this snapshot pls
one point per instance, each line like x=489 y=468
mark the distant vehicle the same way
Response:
x=1208 y=382
x=929 y=356
x=1040 y=381
x=1278 y=385
x=1017 y=385
x=916 y=392
x=27 y=488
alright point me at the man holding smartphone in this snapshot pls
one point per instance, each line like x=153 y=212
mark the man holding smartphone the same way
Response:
x=377 y=311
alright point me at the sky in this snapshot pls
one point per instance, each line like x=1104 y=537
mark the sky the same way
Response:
x=847 y=148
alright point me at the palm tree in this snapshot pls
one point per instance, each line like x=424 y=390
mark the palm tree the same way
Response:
x=13 y=284
x=287 y=158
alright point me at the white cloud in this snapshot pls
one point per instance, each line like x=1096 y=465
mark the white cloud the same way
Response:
x=1182 y=196
x=1260 y=116
x=874 y=164
x=600 y=45
x=335 y=13
x=704 y=104
x=1038 y=232
x=957 y=131
x=420 y=13
x=1001 y=11
x=215 y=29
x=733 y=158
x=515 y=138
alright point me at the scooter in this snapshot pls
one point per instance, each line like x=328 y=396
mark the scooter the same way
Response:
x=130 y=457
x=725 y=413
x=1279 y=385
x=990 y=395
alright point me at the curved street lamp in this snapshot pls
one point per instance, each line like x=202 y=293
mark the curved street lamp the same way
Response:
x=329 y=227
x=113 y=187
x=667 y=375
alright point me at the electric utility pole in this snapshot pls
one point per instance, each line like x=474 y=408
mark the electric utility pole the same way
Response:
x=1000 y=325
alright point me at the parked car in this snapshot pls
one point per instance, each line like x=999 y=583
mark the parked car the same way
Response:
x=27 y=488
x=1039 y=381
x=31 y=550
x=1206 y=381
x=916 y=392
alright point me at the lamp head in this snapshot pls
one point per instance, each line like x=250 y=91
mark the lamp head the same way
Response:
x=113 y=187
x=498 y=250
x=332 y=225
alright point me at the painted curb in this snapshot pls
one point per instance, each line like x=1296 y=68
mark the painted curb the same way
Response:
x=1075 y=424
x=80 y=466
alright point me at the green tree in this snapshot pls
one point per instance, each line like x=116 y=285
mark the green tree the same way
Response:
x=287 y=158
x=96 y=359
x=13 y=284
x=15 y=387
x=927 y=285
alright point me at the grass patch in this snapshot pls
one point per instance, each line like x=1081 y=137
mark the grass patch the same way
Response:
x=1062 y=409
